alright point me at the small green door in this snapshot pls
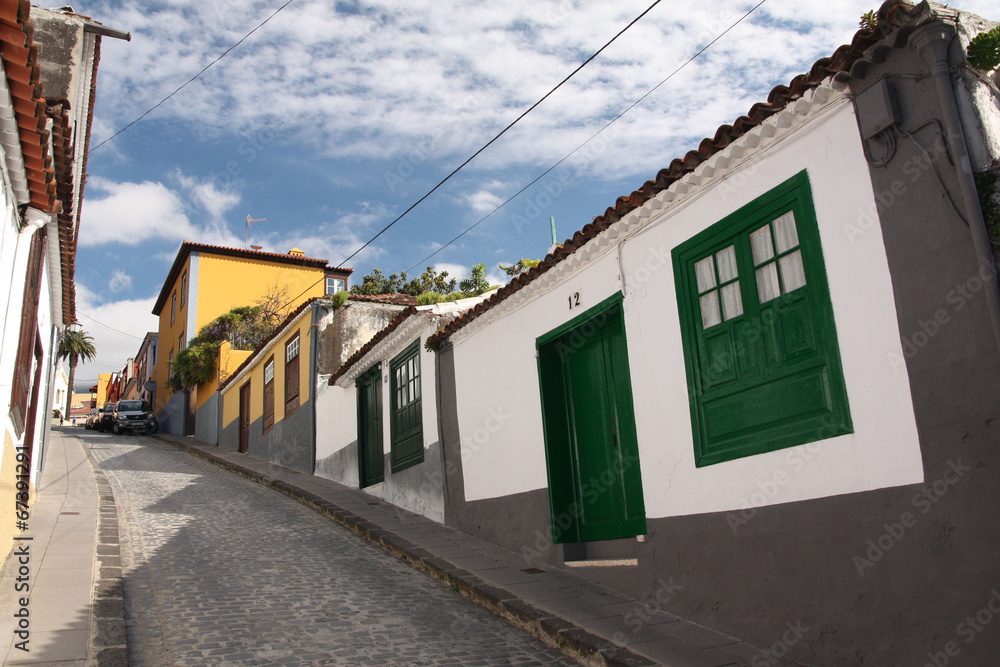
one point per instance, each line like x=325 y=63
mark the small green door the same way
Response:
x=595 y=484
x=370 y=457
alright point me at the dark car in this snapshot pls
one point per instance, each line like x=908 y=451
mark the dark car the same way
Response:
x=133 y=416
x=94 y=415
x=107 y=420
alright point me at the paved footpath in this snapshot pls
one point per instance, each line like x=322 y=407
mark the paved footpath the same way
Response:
x=221 y=570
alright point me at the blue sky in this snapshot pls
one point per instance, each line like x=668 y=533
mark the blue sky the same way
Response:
x=335 y=117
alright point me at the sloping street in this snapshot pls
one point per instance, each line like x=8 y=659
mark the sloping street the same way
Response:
x=219 y=569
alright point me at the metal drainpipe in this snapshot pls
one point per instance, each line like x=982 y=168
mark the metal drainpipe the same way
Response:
x=933 y=42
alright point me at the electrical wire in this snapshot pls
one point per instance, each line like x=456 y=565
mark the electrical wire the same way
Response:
x=592 y=137
x=108 y=327
x=500 y=134
x=183 y=85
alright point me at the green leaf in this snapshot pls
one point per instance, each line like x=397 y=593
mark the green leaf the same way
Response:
x=984 y=50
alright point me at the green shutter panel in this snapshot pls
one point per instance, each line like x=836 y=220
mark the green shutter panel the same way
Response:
x=406 y=426
x=764 y=373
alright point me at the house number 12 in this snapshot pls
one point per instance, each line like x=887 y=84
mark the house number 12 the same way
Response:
x=574 y=300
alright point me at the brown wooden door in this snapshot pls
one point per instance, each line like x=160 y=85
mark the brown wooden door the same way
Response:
x=245 y=417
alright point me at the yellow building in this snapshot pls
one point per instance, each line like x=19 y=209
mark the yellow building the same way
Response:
x=205 y=282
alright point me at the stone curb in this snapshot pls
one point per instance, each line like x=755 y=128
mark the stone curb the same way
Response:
x=108 y=646
x=557 y=632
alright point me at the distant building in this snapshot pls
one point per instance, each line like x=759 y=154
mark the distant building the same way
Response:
x=205 y=282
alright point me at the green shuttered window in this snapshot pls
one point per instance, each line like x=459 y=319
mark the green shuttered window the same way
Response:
x=406 y=426
x=763 y=364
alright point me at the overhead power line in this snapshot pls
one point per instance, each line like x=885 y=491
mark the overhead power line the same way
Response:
x=500 y=134
x=591 y=137
x=183 y=85
x=108 y=327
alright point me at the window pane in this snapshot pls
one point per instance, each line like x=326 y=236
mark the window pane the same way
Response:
x=732 y=302
x=710 y=315
x=726 y=259
x=785 y=235
x=760 y=244
x=793 y=274
x=705 y=272
x=767 y=283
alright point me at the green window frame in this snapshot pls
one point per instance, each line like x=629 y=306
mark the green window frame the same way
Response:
x=760 y=345
x=406 y=421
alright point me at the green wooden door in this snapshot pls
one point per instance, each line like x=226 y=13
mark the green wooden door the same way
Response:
x=595 y=485
x=370 y=458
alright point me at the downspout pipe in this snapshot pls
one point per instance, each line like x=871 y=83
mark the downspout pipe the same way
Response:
x=933 y=43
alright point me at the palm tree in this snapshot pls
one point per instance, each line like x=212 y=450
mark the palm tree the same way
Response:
x=75 y=345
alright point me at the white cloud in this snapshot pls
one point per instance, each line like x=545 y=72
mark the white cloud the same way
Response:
x=485 y=200
x=117 y=328
x=206 y=194
x=432 y=79
x=119 y=282
x=131 y=213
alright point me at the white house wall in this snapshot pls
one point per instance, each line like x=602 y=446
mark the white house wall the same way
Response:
x=499 y=409
x=418 y=488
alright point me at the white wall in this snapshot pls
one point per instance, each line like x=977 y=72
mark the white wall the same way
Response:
x=418 y=488
x=496 y=367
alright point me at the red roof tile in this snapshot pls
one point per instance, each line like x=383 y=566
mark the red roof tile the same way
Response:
x=891 y=15
x=277 y=330
x=20 y=62
x=187 y=247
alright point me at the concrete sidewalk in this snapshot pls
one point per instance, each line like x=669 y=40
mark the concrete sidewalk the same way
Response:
x=75 y=611
x=593 y=623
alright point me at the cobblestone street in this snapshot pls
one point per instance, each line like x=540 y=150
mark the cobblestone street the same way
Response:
x=220 y=570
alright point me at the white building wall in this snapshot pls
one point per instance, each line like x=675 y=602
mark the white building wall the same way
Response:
x=496 y=367
x=419 y=488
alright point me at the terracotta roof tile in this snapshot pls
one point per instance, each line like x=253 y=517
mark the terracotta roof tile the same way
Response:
x=277 y=331
x=892 y=15
x=187 y=247
x=20 y=63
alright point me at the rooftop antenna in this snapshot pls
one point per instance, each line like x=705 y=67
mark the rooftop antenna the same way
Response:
x=246 y=232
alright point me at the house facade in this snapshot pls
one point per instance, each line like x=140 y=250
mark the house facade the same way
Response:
x=205 y=282
x=269 y=401
x=42 y=136
x=377 y=415
x=769 y=375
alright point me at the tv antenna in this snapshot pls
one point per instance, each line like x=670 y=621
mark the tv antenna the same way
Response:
x=246 y=232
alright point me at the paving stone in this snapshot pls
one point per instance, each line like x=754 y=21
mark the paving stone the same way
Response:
x=218 y=569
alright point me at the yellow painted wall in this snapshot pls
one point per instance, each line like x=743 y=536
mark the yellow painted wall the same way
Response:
x=231 y=394
x=9 y=491
x=169 y=333
x=227 y=282
x=224 y=283
x=83 y=399
x=103 y=380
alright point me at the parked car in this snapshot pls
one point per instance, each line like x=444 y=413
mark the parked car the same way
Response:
x=95 y=414
x=107 y=420
x=133 y=416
